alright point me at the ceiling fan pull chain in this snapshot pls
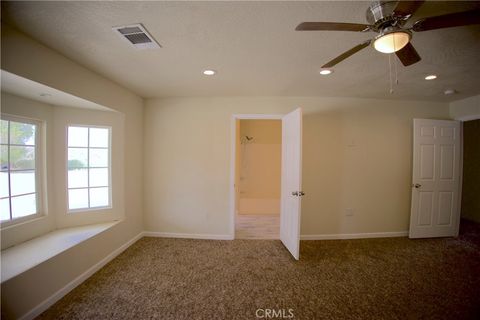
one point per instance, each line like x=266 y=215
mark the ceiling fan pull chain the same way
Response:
x=390 y=72
x=395 y=62
x=396 y=72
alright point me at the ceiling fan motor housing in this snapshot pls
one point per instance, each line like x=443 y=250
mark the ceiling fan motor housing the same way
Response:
x=381 y=15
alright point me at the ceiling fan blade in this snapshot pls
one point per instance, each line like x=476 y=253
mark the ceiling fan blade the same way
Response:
x=448 y=20
x=406 y=8
x=408 y=55
x=346 y=54
x=331 y=26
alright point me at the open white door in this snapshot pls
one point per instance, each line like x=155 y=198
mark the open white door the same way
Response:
x=291 y=181
x=436 y=178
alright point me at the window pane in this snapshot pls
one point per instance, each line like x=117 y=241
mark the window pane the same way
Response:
x=77 y=137
x=98 y=177
x=24 y=205
x=4 y=156
x=22 y=133
x=3 y=184
x=4 y=131
x=98 y=157
x=77 y=178
x=88 y=161
x=22 y=182
x=77 y=199
x=99 y=137
x=22 y=158
x=4 y=209
x=99 y=197
x=77 y=157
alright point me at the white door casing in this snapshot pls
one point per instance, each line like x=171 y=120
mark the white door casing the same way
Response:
x=291 y=185
x=435 y=210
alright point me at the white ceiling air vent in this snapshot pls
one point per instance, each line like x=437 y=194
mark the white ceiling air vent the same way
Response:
x=137 y=36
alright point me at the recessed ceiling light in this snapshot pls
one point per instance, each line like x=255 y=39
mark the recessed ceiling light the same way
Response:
x=450 y=91
x=325 y=72
x=431 y=77
x=209 y=72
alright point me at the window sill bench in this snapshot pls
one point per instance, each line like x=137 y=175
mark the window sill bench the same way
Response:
x=22 y=257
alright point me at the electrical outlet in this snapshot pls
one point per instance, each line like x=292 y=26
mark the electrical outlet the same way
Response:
x=349 y=212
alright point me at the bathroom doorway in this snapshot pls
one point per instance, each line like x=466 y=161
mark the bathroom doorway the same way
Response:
x=258 y=154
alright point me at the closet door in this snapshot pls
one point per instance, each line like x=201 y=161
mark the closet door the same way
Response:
x=436 y=178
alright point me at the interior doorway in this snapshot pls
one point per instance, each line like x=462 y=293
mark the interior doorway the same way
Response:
x=258 y=147
x=470 y=202
x=290 y=177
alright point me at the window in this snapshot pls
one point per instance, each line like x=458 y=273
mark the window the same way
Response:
x=19 y=177
x=88 y=168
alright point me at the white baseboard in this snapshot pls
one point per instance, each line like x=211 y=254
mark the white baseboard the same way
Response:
x=187 y=235
x=47 y=303
x=302 y=237
x=353 y=235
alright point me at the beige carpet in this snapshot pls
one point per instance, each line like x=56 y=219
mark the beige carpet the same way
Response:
x=393 y=278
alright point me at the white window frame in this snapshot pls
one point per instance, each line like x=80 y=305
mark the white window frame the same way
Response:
x=39 y=169
x=110 y=187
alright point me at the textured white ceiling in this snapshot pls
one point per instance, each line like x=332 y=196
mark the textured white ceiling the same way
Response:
x=252 y=45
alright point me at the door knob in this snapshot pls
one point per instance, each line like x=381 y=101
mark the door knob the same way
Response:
x=298 y=193
x=417 y=185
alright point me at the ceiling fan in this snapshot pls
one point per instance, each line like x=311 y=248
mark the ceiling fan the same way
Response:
x=388 y=19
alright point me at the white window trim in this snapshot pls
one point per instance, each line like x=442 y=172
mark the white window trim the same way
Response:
x=39 y=170
x=110 y=186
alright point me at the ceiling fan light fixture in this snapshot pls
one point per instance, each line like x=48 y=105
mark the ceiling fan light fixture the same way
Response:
x=391 y=41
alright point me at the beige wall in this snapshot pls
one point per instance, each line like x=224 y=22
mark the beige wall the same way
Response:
x=357 y=154
x=471 y=170
x=263 y=131
x=27 y=58
x=260 y=159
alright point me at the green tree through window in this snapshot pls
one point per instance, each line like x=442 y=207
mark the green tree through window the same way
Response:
x=18 y=175
x=22 y=140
